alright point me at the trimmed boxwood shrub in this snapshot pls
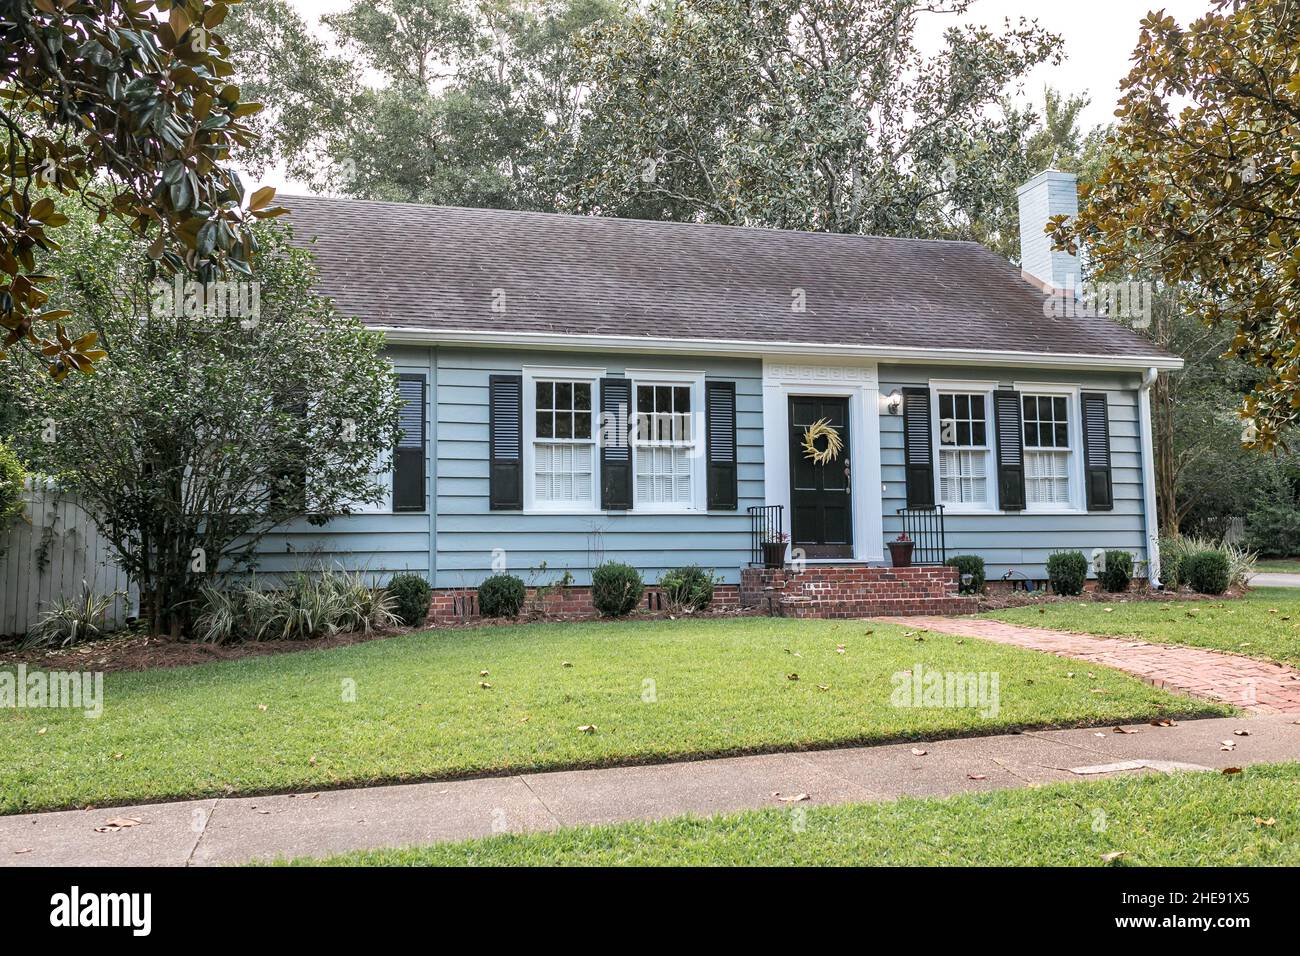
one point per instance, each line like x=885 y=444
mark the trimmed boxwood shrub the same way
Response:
x=687 y=589
x=501 y=595
x=1207 y=571
x=616 y=588
x=1068 y=571
x=973 y=565
x=410 y=594
x=1116 y=571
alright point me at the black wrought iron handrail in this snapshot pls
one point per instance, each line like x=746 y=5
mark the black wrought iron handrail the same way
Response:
x=765 y=524
x=925 y=527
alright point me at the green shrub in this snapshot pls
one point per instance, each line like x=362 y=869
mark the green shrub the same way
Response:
x=1177 y=549
x=316 y=604
x=687 y=589
x=1208 y=572
x=1068 y=571
x=1273 y=529
x=501 y=595
x=411 y=595
x=1116 y=571
x=616 y=588
x=973 y=565
x=12 y=477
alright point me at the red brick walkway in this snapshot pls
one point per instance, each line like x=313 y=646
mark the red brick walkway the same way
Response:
x=1253 y=685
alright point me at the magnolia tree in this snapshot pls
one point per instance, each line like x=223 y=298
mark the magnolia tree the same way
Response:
x=220 y=412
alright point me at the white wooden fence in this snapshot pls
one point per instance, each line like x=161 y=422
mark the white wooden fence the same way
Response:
x=48 y=552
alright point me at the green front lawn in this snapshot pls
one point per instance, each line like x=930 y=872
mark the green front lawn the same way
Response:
x=1279 y=565
x=1188 y=819
x=1264 y=624
x=652 y=690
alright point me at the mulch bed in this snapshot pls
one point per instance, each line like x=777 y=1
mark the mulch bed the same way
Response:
x=1001 y=598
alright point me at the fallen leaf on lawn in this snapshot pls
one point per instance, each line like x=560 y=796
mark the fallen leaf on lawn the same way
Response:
x=1265 y=823
x=791 y=676
x=485 y=685
x=1112 y=857
x=566 y=664
x=1272 y=610
x=794 y=799
x=1229 y=771
x=1092 y=676
x=1098 y=690
x=1124 y=730
x=1070 y=674
x=1241 y=733
x=1042 y=610
x=976 y=776
x=311 y=761
x=118 y=823
x=918 y=638
x=1108 y=609
x=482 y=673
x=918 y=752
x=524 y=719
x=1163 y=722
x=118 y=756
x=41 y=732
x=588 y=728
x=823 y=687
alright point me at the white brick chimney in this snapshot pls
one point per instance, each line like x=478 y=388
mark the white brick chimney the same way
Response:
x=1050 y=193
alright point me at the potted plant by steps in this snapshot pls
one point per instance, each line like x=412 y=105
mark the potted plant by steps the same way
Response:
x=900 y=551
x=774 y=546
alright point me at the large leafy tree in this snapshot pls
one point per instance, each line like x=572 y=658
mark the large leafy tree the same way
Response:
x=436 y=101
x=126 y=104
x=803 y=114
x=208 y=425
x=1202 y=190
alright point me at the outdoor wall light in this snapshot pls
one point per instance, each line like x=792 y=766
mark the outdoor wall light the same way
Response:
x=894 y=402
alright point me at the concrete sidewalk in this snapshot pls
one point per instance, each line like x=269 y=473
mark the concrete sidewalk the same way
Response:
x=235 y=830
x=1274 y=579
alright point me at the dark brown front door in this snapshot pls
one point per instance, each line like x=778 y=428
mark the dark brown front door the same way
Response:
x=821 y=510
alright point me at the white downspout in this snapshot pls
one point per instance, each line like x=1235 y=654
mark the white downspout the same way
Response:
x=1151 y=518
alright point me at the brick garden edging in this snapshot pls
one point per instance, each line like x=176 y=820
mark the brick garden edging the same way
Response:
x=1253 y=685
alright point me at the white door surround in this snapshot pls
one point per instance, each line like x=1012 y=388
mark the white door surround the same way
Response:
x=856 y=381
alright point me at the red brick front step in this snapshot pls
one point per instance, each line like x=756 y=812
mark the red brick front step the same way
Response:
x=853 y=590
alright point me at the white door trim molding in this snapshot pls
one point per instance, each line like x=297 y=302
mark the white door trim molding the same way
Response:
x=856 y=381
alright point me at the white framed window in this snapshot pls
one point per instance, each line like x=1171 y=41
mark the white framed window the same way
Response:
x=964 y=426
x=667 y=440
x=562 y=424
x=1049 y=419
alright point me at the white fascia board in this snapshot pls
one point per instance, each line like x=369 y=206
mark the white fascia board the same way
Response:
x=759 y=349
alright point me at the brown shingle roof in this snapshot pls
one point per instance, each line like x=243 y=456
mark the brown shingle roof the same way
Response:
x=435 y=268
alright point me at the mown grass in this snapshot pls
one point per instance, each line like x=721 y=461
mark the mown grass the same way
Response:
x=412 y=707
x=1264 y=624
x=1278 y=565
x=1187 y=819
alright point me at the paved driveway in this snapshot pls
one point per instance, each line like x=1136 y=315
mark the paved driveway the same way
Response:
x=1272 y=579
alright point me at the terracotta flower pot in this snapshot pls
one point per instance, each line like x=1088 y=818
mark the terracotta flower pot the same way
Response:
x=900 y=553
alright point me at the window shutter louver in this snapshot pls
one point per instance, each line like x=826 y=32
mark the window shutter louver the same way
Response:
x=1011 y=450
x=409 y=456
x=1096 y=451
x=720 y=409
x=615 y=446
x=918 y=448
x=506 y=442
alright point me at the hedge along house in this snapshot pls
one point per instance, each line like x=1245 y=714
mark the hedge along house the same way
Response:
x=582 y=389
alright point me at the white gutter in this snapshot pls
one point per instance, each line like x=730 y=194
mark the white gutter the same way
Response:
x=758 y=349
x=1151 y=518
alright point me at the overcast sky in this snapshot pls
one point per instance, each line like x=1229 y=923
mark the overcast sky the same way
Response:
x=1099 y=38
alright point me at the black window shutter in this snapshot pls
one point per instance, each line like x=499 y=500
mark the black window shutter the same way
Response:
x=918 y=448
x=615 y=448
x=506 y=442
x=408 y=459
x=720 y=407
x=1011 y=450
x=1096 y=451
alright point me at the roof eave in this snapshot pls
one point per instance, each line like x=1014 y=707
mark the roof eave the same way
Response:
x=761 y=349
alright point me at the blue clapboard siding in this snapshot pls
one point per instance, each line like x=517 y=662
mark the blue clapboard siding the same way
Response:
x=377 y=543
x=468 y=531
x=1024 y=541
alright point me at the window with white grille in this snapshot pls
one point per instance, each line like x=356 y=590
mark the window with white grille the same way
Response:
x=964 y=449
x=564 y=444
x=1046 y=423
x=664 y=446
